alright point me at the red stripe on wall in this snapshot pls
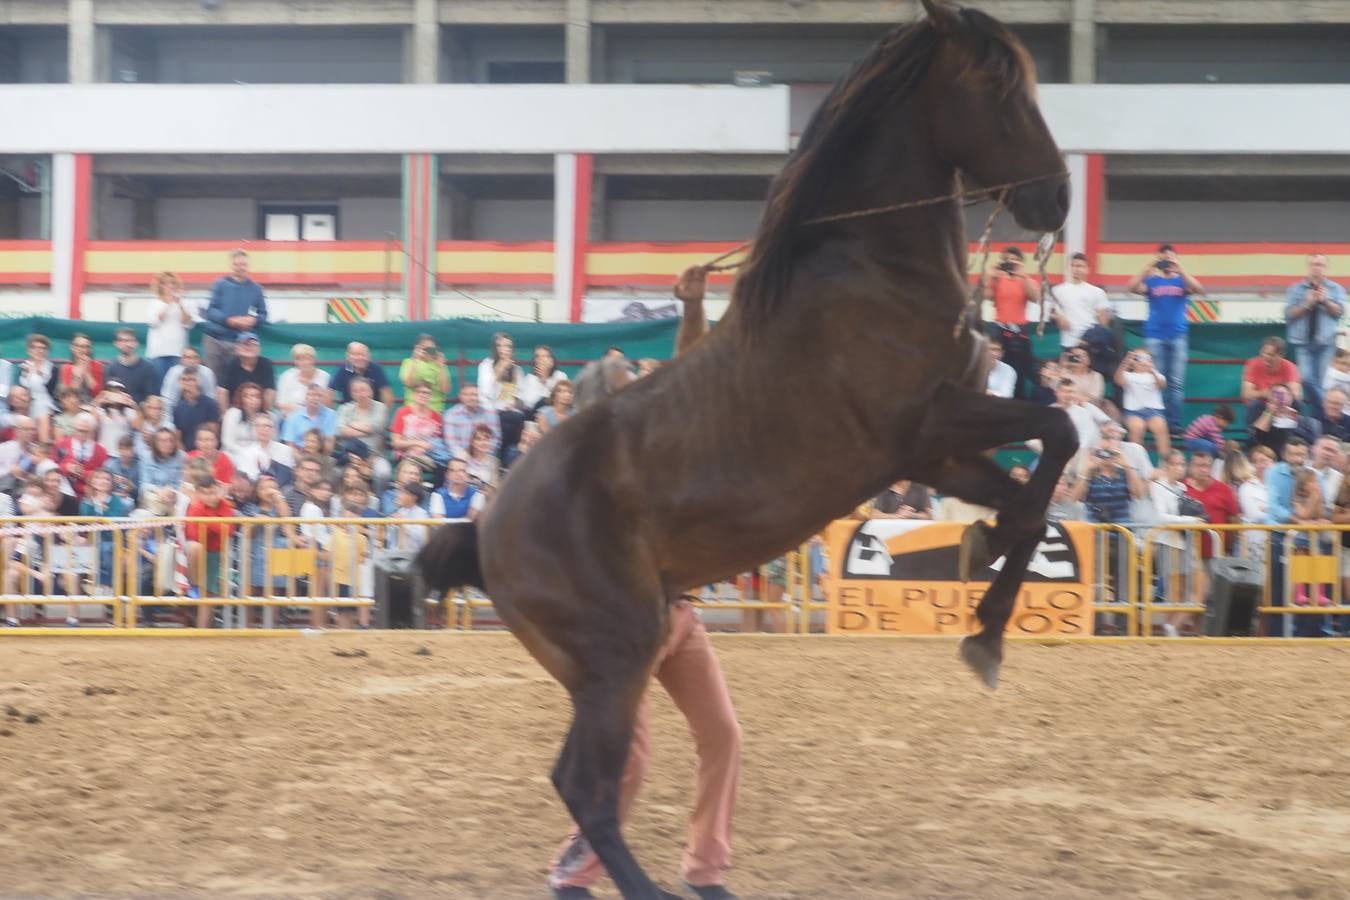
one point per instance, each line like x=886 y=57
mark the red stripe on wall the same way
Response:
x=84 y=176
x=1096 y=207
x=581 y=231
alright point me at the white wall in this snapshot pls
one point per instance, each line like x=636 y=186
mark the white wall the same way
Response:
x=139 y=118
x=682 y=220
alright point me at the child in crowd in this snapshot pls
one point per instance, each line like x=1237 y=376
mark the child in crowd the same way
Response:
x=206 y=542
x=1205 y=434
x=1308 y=509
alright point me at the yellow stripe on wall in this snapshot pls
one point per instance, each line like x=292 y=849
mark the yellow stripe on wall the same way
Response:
x=25 y=260
x=1294 y=265
x=503 y=261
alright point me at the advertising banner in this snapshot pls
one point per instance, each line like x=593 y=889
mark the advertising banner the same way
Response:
x=900 y=576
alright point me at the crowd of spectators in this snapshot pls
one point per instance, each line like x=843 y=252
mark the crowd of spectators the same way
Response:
x=1133 y=465
x=225 y=432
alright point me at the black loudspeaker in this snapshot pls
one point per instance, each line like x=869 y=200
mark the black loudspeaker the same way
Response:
x=1235 y=588
x=400 y=593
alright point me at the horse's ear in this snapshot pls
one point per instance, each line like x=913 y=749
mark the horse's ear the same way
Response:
x=943 y=16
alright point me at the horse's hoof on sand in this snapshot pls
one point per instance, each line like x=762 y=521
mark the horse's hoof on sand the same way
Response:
x=984 y=661
x=974 y=553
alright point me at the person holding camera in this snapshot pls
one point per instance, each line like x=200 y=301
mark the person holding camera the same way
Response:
x=1280 y=421
x=1166 y=331
x=1108 y=484
x=1267 y=371
x=426 y=366
x=1012 y=288
x=1312 y=311
x=1143 y=385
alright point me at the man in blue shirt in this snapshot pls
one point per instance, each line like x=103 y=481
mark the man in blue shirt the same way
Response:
x=193 y=410
x=1166 y=331
x=1280 y=480
x=1313 y=310
x=311 y=416
x=236 y=307
x=358 y=364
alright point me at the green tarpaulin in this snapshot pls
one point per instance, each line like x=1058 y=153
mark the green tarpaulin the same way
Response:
x=469 y=339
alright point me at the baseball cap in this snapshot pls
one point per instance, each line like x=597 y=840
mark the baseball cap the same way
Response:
x=247 y=336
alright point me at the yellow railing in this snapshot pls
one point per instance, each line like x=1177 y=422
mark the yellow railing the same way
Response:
x=232 y=567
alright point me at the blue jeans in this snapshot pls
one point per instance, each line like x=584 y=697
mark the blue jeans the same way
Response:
x=162 y=366
x=1171 y=355
x=1312 y=361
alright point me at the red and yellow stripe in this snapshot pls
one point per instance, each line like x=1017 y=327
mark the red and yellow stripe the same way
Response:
x=25 y=262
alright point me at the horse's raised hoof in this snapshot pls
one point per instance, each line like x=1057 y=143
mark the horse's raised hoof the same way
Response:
x=974 y=553
x=984 y=660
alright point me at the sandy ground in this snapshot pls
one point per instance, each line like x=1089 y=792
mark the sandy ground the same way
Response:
x=874 y=769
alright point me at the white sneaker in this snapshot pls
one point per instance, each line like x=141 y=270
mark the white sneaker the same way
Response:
x=11 y=622
x=1171 y=631
x=72 y=621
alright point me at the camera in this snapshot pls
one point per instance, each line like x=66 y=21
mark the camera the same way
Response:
x=1007 y=266
x=1164 y=265
x=1104 y=454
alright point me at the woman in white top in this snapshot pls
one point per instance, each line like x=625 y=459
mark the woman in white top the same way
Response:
x=236 y=427
x=1173 y=549
x=171 y=318
x=1143 y=401
x=537 y=385
x=295 y=381
x=1247 y=475
x=38 y=373
x=499 y=383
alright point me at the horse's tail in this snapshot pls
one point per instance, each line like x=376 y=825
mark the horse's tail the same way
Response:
x=450 y=558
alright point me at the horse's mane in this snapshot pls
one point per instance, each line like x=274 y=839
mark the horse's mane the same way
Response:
x=892 y=70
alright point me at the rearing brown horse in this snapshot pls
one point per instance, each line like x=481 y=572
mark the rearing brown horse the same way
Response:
x=845 y=363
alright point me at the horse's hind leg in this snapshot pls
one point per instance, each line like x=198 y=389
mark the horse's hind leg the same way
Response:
x=590 y=768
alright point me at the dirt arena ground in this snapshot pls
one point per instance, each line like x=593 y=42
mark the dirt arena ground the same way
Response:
x=874 y=769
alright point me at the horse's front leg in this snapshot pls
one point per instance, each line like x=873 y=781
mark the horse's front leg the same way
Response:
x=961 y=425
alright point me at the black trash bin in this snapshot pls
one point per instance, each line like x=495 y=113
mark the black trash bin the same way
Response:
x=1235 y=587
x=400 y=592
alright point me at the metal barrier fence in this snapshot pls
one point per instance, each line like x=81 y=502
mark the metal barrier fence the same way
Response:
x=260 y=571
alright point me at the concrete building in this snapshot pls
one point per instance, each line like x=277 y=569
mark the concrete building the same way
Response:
x=643 y=209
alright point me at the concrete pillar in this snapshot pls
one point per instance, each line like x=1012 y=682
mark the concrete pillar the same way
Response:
x=422 y=49
x=573 y=173
x=82 y=46
x=1083 y=42
x=578 y=39
x=1075 y=227
x=71 y=183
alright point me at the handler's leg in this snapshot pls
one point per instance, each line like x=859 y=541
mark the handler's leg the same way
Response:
x=692 y=675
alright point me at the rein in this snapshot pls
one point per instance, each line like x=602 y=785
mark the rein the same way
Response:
x=716 y=264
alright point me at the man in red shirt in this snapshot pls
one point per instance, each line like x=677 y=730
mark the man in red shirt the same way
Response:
x=208 y=501
x=1010 y=288
x=1266 y=371
x=1218 y=499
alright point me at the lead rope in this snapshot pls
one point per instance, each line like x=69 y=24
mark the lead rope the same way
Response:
x=1044 y=250
x=1000 y=191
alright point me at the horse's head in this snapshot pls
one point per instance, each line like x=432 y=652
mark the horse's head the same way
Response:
x=985 y=119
